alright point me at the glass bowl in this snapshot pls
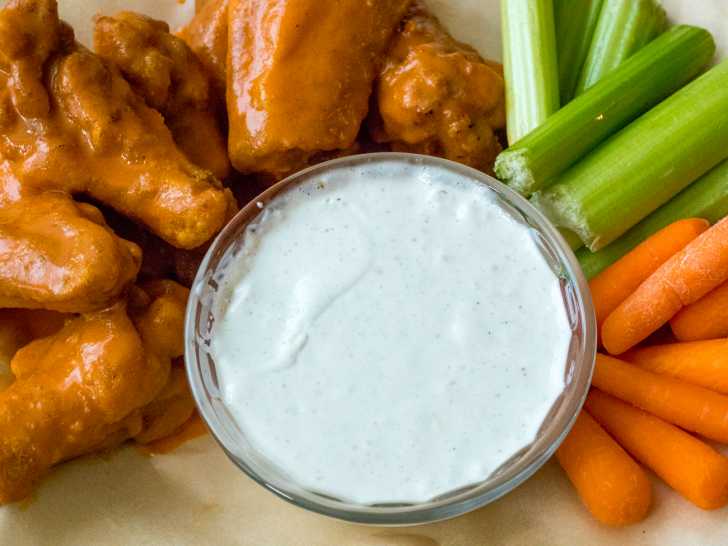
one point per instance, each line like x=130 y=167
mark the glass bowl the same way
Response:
x=201 y=368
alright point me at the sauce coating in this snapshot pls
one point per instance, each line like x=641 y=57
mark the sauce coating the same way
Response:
x=437 y=96
x=389 y=333
x=206 y=34
x=70 y=125
x=300 y=76
x=92 y=382
x=164 y=71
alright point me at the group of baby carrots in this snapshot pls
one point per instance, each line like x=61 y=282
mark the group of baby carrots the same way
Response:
x=662 y=312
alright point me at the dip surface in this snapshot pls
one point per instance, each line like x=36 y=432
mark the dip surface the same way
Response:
x=389 y=333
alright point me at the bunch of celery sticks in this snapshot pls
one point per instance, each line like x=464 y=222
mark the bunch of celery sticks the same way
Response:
x=616 y=125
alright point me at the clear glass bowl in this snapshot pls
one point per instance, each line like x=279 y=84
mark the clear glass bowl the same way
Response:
x=205 y=386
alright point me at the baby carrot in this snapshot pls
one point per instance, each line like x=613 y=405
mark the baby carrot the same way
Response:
x=687 y=276
x=707 y=318
x=691 y=467
x=690 y=407
x=611 y=485
x=703 y=363
x=613 y=285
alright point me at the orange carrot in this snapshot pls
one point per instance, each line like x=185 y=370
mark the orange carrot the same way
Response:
x=613 y=285
x=707 y=318
x=691 y=467
x=611 y=485
x=691 y=407
x=683 y=279
x=703 y=363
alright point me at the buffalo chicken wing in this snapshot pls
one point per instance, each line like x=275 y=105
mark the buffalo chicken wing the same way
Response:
x=300 y=74
x=437 y=96
x=70 y=125
x=167 y=74
x=70 y=122
x=92 y=385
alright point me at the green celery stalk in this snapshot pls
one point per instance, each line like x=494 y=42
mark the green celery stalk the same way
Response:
x=571 y=238
x=623 y=28
x=575 y=23
x=645 y=164
x=706 y=198
x=529 y=64
x=654 y=73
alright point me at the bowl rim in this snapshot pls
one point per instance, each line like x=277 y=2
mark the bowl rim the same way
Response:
x=474 y=496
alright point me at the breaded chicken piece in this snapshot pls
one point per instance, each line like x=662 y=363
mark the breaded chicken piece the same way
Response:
x=71 y=392
x=300 y=74
x=57 y=254
x=167 y=74
x=161 y=326
x=30 y=32
x=70 y=122
x=207 y=36
x=100 y=380
x=170 y=410
x=437 y=96
x=158 y=311
x=18 y=327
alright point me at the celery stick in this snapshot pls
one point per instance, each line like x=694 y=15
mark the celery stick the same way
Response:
x=705 y=198
x=529 y=64
x=645 y=164
x=575 y=23
x=657 y=71
x=623 y=28
x=571 y=238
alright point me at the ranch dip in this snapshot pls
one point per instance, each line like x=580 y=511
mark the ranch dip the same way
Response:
x=388 y=332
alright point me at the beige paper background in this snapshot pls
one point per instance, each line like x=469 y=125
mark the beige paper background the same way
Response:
x=196 y=497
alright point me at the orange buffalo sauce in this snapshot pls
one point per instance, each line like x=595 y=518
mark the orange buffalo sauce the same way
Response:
x=301 y=74
x=193 y=428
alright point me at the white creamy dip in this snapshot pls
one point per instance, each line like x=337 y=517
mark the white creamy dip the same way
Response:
x=389 y=333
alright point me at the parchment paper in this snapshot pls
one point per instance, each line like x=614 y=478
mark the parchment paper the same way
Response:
x=194 y=496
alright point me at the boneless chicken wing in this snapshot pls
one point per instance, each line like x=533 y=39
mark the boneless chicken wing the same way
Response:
x=437 y=96
x=168 y=75
x=300 y=74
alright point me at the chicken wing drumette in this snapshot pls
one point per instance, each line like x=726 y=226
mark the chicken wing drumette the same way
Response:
x=101 y=379
x=58 y=254
x=168 y=75
x=437 y=96
x=71 y=125
x=158 y=311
